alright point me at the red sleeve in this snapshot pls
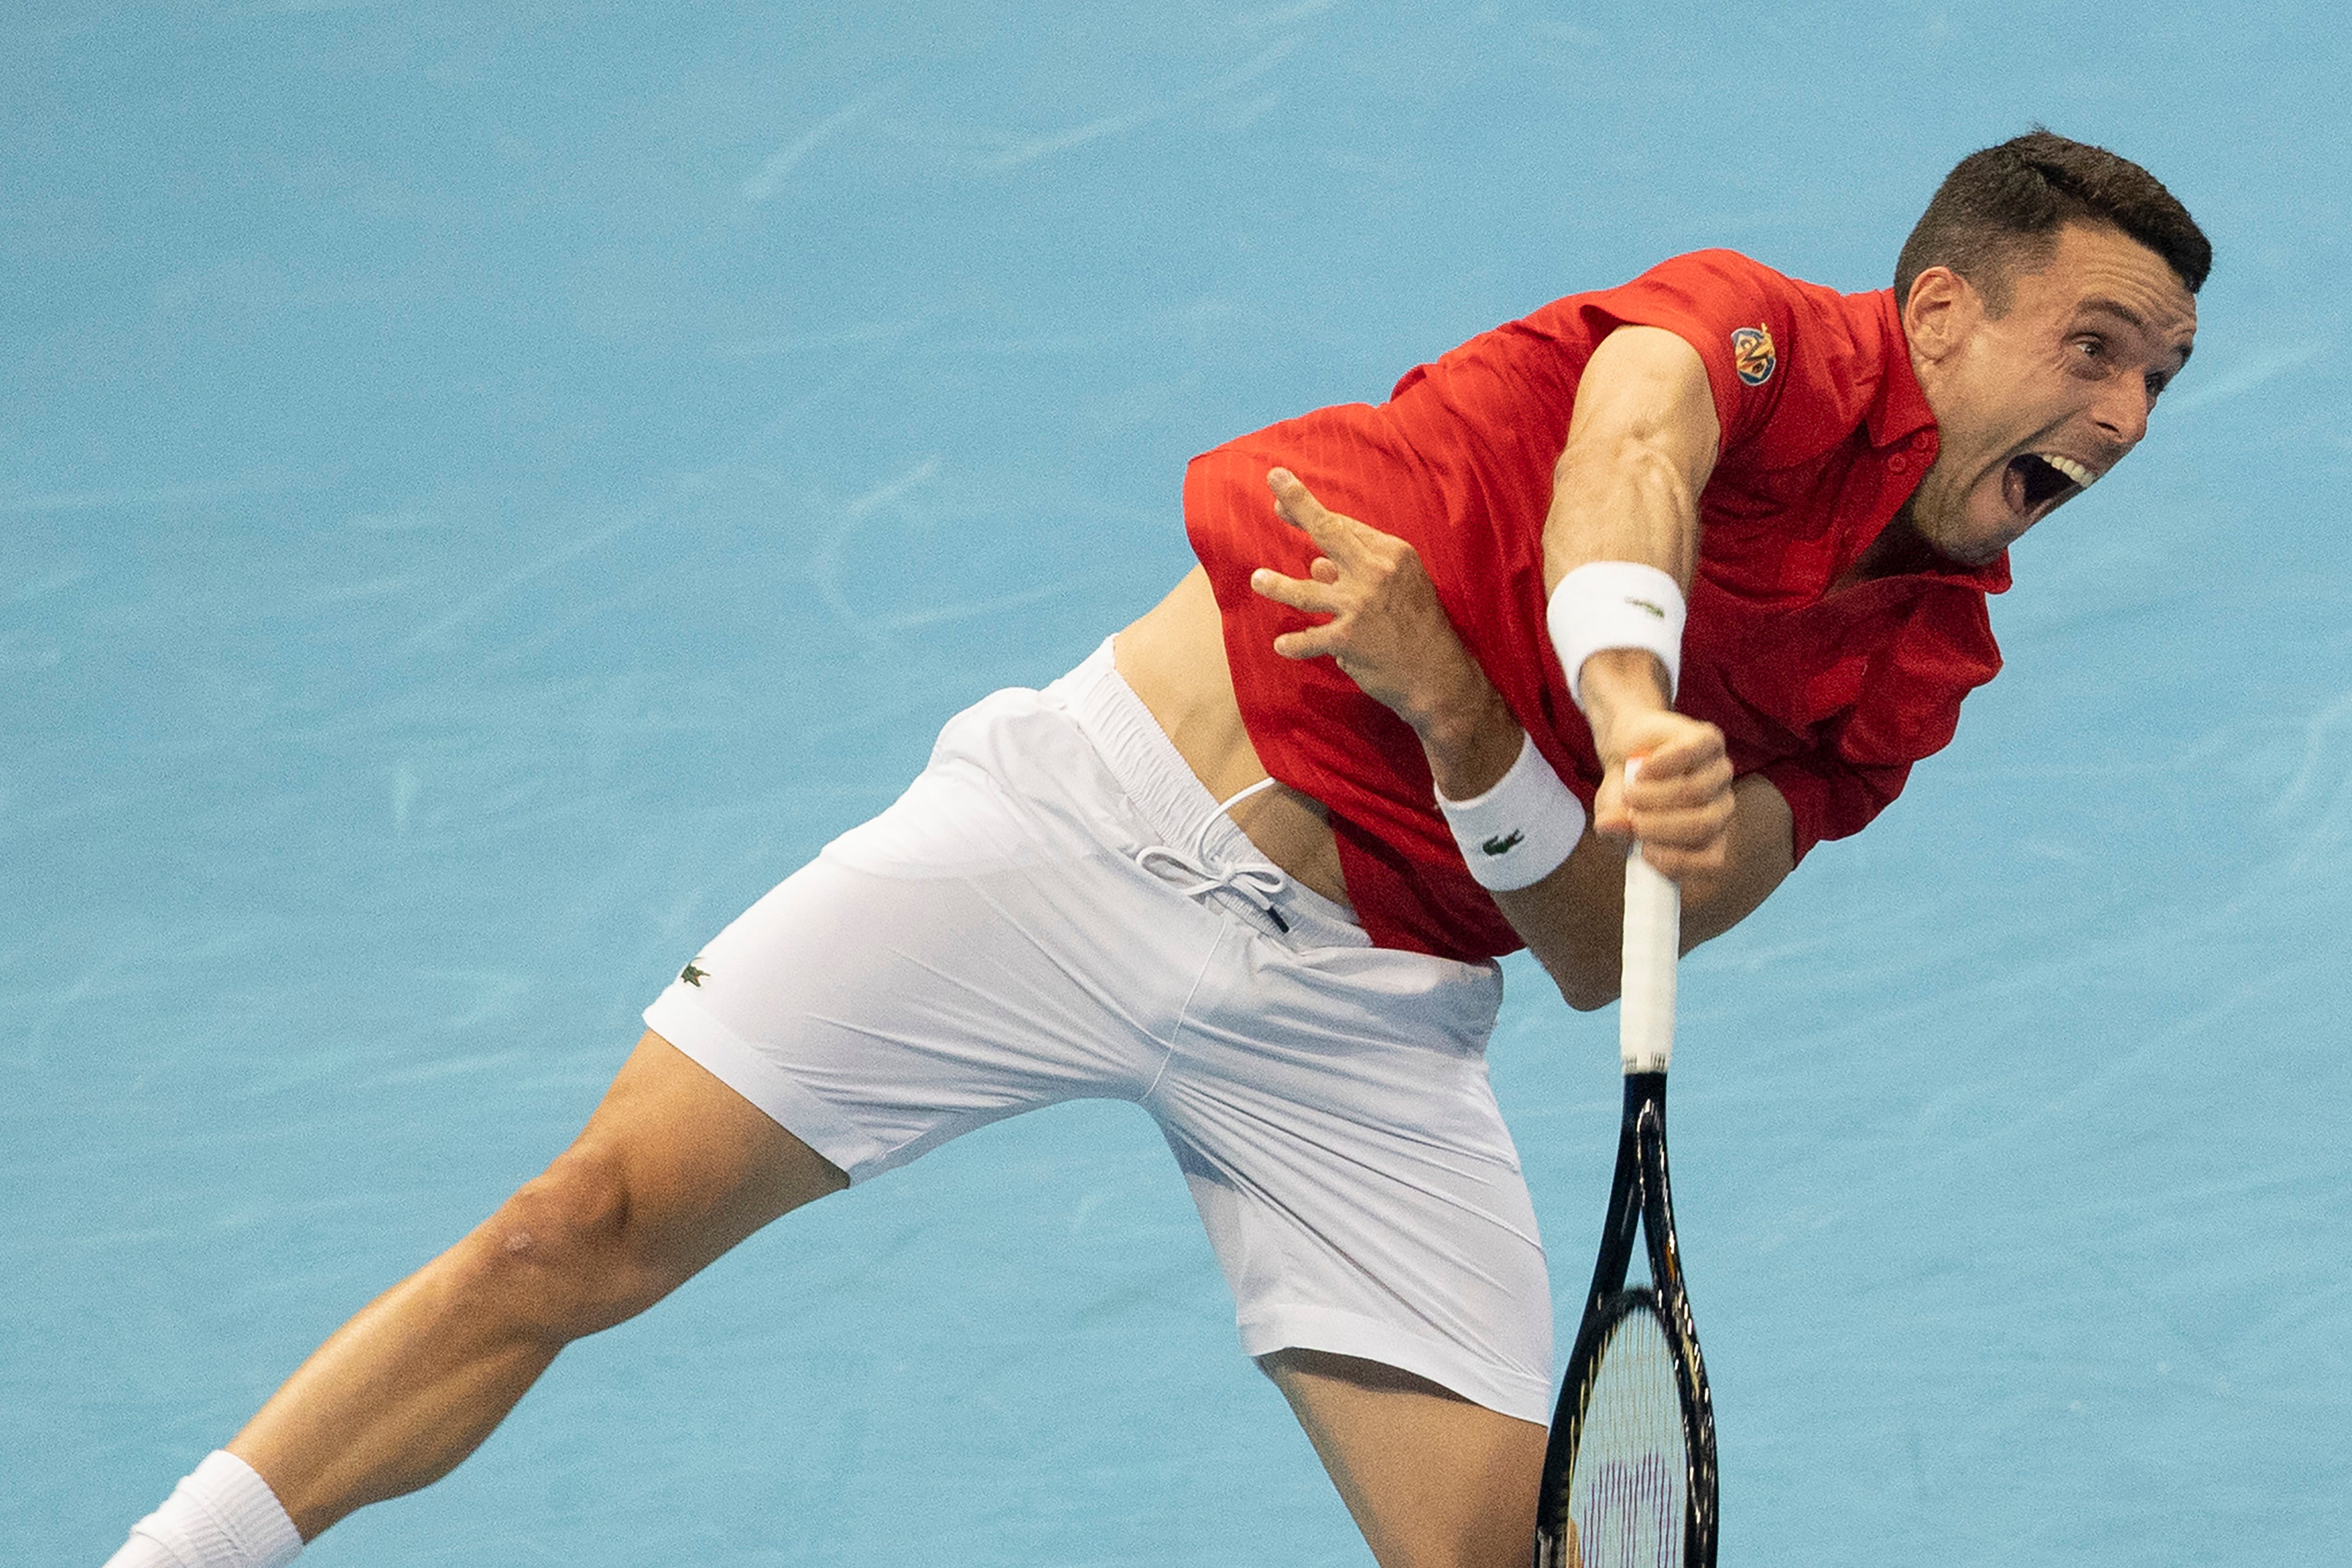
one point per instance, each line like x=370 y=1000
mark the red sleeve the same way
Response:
x=1831 y=799
x=1893 y=664
x=1738 y=315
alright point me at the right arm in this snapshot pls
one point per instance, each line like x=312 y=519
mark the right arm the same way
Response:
x=1642 y=444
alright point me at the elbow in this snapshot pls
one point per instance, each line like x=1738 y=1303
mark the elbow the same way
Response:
x=1586 y=974
x=1586 y=993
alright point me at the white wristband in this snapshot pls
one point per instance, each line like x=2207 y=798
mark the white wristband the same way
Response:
x=1616 y=605
x=1517 y=833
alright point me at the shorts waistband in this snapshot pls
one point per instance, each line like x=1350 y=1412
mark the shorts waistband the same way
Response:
x=1165 y=788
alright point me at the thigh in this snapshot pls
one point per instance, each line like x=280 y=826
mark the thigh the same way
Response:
x=1432 y=1479
x=1332 y=1115
x=988 y=944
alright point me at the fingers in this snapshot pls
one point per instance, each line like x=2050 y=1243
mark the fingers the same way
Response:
x=1683 y=822
x=1292 y=501
x=1314 y=642
x=1315 y=595
x=1295 y=505
x=1684 y=843
x=1354 y=553
x=1684 y=774
x=1679 y=804
x=1298 y=507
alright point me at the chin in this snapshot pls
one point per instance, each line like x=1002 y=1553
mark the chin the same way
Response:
x=1979 y=554
x=1983 y=546
x=1968 y=539
x=1976 y=533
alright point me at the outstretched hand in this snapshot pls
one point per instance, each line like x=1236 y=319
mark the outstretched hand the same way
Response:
x=1387 y=631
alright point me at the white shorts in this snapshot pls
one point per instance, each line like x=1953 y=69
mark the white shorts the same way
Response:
x=991 y=942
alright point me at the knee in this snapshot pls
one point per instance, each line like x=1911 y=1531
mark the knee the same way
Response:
x=567 y=1255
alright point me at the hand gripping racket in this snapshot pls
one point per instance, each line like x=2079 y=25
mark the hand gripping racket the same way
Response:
x=1629 y=1476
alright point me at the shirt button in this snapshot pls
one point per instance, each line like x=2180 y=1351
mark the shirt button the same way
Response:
x=1898 y=463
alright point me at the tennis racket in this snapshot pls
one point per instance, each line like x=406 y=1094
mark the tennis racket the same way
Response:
x=1629 y=1475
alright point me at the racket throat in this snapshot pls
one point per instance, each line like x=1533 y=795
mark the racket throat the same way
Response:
x=1630 y=1201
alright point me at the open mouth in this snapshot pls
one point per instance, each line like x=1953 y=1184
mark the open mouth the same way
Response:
x=2037 y=483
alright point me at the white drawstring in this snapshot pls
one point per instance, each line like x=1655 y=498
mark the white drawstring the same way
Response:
x=1260 y=885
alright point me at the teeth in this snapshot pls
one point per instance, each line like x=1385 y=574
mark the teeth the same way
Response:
x=2069 y=467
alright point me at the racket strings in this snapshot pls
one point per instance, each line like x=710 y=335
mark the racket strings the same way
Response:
x=1629 y=1488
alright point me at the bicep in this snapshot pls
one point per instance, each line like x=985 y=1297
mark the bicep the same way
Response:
x=1574 y=920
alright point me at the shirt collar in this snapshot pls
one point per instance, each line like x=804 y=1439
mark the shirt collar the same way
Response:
x=1899 y=417
x=1900 y=410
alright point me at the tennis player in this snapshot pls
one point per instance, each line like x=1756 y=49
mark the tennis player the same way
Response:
x=1250 y=864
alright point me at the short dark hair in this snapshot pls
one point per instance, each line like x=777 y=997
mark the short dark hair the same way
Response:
x=2005 y=205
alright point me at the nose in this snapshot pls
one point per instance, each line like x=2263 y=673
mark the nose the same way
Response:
x=2121 y=411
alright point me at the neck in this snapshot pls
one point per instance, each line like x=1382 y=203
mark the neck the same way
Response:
x=1899 y=549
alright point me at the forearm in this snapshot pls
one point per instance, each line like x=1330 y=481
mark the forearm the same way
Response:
x=1574 y=920
x=1641 y=445
x=1619 y=498
x=1471 y=743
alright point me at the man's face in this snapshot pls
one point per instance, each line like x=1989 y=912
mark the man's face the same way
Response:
x=2034 y=404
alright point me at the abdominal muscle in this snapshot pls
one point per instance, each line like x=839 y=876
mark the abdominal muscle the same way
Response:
x=1174 y=661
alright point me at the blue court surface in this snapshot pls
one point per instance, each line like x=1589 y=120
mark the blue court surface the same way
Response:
x=486 y=489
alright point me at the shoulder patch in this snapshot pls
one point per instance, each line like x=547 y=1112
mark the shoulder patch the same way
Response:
x=1752 y=355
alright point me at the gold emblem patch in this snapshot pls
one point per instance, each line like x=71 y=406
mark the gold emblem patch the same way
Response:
x=1752 y=356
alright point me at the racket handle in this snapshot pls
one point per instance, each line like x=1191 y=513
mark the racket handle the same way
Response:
x=1654 y=925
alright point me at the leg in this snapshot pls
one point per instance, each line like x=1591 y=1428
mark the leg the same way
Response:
x=1433 y=1481
x=969 y=955
x=672 y=1170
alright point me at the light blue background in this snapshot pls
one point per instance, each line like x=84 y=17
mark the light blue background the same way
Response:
x=487 y=488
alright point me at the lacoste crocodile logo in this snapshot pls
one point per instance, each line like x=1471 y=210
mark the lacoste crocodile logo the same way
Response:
x=1501 y=845
x=693 y=976
x=1657 y=610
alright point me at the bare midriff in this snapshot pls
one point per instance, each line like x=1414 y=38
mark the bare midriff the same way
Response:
x=1174 y=661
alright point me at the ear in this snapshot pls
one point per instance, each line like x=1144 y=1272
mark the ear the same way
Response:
x=1943 y=311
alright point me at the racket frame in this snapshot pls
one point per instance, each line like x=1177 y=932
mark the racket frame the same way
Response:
x=1640 y=1198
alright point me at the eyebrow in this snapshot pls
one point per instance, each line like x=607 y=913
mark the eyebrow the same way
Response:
x=2113 y=308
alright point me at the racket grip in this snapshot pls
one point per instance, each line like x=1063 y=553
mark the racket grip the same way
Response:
x=1654 y=923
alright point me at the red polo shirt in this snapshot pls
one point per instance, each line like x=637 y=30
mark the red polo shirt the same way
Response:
x=1831 y=696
